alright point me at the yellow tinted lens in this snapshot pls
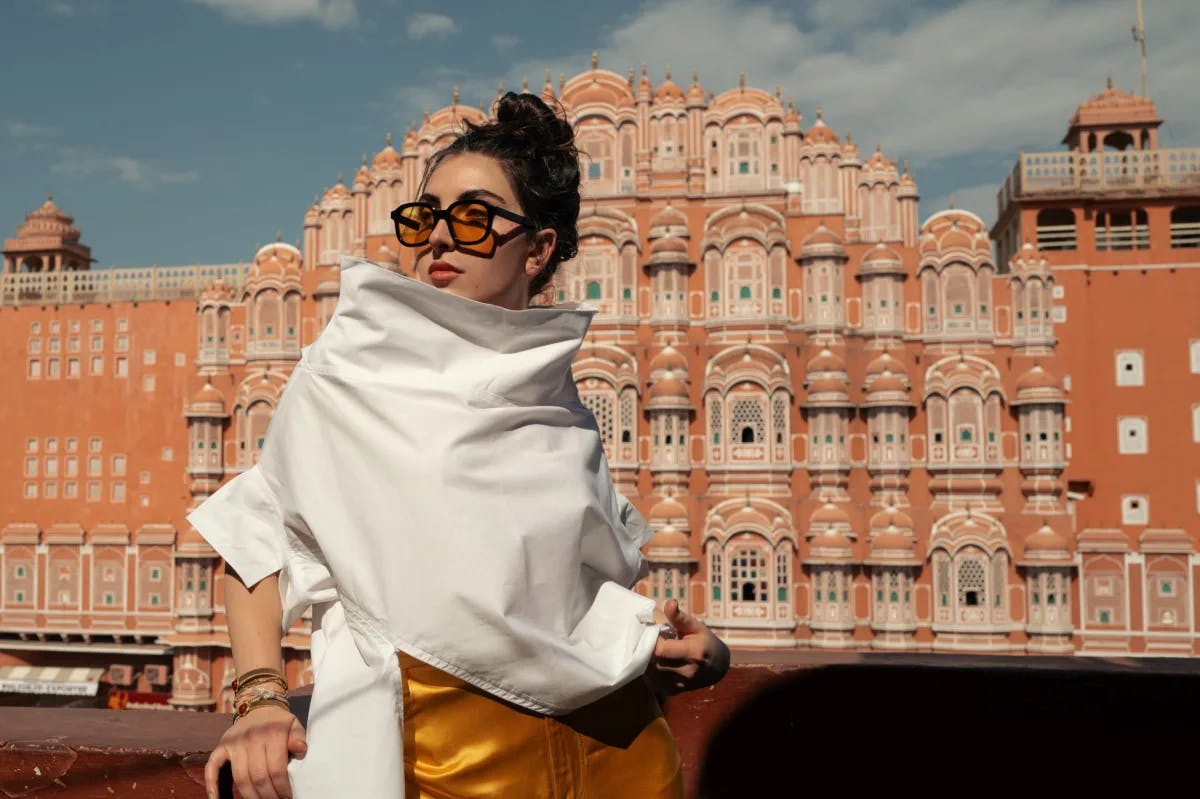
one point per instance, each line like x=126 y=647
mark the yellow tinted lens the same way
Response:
x=470 y=222
x=416 y=223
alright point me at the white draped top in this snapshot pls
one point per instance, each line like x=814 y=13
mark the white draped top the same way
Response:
x=431 y=483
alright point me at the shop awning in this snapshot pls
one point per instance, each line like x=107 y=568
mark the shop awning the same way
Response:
x=60 y=680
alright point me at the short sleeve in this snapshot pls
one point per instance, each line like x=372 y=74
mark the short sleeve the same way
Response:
x=242 y=522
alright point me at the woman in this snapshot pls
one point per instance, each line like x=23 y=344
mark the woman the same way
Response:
x=471 y=560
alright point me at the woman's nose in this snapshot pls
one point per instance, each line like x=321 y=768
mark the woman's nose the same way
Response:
x=439 y=238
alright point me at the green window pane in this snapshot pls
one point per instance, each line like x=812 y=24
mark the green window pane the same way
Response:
x=212 y=445
x=716 y=592
x=889 y=438
x=270 y=330
x=203 y=585
x=562 y=295
x=744 y=293
x=782 y=595
x=828 y=438
x=879 y=596
x=715 y=296
x=894 y=597
x=627 y=293
x=743 y=167
x=1104 y=617
x=992 y=437
x=776 y=293
x=593 y=290
x=965 y=435
x=957 y=308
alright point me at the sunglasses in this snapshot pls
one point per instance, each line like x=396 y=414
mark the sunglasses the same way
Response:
x=470 y=222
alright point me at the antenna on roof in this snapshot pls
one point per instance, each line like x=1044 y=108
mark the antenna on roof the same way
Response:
x=1139 y=36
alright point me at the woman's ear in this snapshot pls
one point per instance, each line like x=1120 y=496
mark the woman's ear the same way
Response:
x=540 y=250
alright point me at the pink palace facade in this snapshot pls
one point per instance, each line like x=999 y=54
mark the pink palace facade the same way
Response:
x=849 y=429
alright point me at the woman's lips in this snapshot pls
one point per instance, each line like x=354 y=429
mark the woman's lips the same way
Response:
x=442 y=273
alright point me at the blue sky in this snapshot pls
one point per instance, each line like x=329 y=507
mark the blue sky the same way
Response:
x=187 y=131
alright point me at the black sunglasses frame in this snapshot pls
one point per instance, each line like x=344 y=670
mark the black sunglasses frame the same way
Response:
x=439 y=214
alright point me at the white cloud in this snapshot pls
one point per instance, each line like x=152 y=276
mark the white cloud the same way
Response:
x=25 y=130
x=972 y=81
x=59 y=8
x=81 y=164
x=332 y=14
x=503 y=42
x=426 y=24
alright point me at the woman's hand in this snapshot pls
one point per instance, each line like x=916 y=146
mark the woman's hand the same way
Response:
x=695 y=659
x=257 y=748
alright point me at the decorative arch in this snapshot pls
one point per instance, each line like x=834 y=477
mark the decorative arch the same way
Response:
x=604 y=273
x=970 y=556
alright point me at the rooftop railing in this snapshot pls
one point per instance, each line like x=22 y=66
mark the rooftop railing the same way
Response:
x=1109 y=170
x=134 y=284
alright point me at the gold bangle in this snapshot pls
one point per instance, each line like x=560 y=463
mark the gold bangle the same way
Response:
x=258 y=679
x=258 y=692
x=255 y=674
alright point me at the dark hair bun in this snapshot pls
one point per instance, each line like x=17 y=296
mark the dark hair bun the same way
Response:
x=527 y=116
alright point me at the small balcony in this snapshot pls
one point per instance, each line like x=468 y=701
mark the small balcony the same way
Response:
x=1073 y=172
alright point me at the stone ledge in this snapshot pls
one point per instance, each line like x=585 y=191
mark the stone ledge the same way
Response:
x=780 y=724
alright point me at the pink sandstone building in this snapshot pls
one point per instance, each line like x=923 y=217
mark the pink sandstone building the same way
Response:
x=849 y=429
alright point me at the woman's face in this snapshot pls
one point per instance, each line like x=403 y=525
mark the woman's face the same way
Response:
x=491 y=272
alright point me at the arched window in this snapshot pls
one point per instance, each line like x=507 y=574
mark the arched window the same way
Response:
x=959 y=302
x=972 y=584
x=597 y=162
x=745 y=279
x=1056 y=229
x=747 y=421
x=258 y=418
x=966 y=426
x=594 y=292
x=743 y=161
x=1185 y=226
x=749 y=575
x=931 y=301
x=601 y=399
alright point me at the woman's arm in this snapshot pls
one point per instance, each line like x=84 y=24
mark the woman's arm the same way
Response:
x=258 y=745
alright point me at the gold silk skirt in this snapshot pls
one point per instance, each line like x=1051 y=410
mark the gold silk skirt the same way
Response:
x=460 y=742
